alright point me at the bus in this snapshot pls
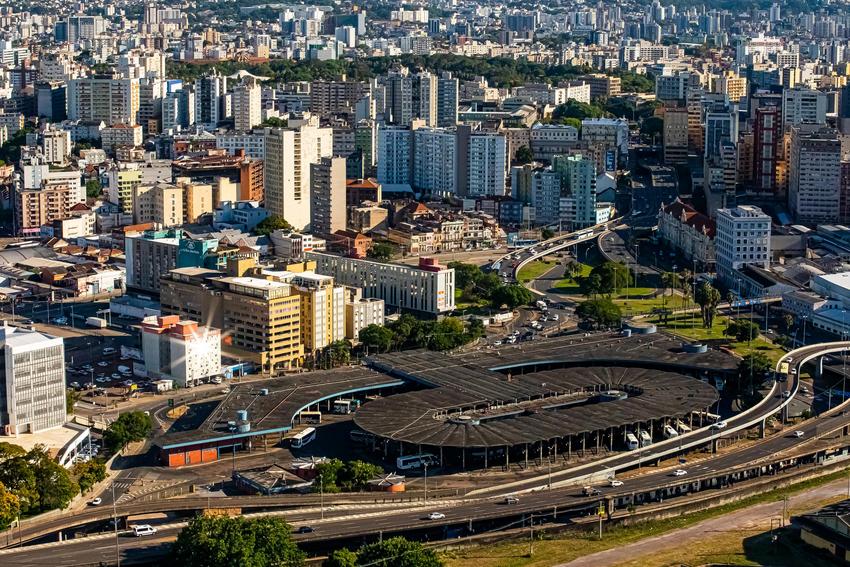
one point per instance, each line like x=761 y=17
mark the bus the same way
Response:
x=583 y=233
x=361 y=437
x=645 y=439
x=303 y=438
x=670 y=432
x=345 y=407
x=412 y=462
x=631 y=442
x=682 y=426
x=310 y=417
x=521 y=243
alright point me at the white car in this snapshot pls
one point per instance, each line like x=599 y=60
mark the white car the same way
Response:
x=436 y=516
x=799 y=434
x=96 y=502
x=143 y=530
x=680 y=472
x=718 y=425
x=616 y=483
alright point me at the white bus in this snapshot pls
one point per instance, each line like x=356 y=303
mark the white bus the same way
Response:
x=682 y=426
x=411 y=462
x=631 y=441
x=645 y=439
x=670 y=432
x=302 y=438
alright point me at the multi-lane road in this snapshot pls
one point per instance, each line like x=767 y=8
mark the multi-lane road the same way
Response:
x=540 y=498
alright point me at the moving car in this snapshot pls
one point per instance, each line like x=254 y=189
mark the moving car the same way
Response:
x=436 y=516
x=799 y=434
x=96 y=502
x=615 y=483
x=680 y=472
x=511 y=500
x=143 y=530
x=304 y=530
x=718 y=425
x=590 y=491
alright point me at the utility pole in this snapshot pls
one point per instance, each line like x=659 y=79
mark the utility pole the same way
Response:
x=115 y=527
x=600 y=513
x=322 y=496
x=426 y=480
x=531 y=540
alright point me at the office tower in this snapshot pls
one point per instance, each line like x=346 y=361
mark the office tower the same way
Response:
x=580 y=181
x=289 y=153
x=675 y=135
x=247 y=105
x=434 y=161
x=814 y=175
x=84 y=27
x=327 y=196
x=803 y=106
x=102 y=98
x=210 y=105
x=322 y=309
x=742 y=238
x=767 y=140
x=394 y=161
x=32 y=381
x=399 y=97
x=447 y=100
x=696 y=135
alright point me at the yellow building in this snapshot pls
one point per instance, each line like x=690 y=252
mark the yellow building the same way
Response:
x=161 y=203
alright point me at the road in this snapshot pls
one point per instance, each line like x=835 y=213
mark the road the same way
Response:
x=613 y=248
x=746 y=520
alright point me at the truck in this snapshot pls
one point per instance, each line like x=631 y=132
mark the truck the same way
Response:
x=97 y=322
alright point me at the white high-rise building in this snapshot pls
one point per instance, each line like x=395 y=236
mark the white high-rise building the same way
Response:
x=288 y=155
x=181 y=350
x=56 y=145
x=395 y=144
x=814 y=175
x=579 y=172
x=742 y=238
x=99 y=98
x=427 y=98
x=803 y=106
x=247 y=105
x=32 y=381
x=488 y=164
x=434 y=161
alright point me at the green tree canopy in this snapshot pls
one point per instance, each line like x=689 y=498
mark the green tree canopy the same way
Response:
x=752 y=371
x=129 y=427
x=600 y=312
x=382 y=251
x=607 y=278
x=708 y=298
x=270 y=224
x=213 y=541
x=341 y=558
x=578 y=110
x=376 y=337
x=398 y=552
x=10 y=507
x=742 y=330
x=524 y=155
x=93 y=188
x=512 y=295
x=89 y=473
x=546 y=233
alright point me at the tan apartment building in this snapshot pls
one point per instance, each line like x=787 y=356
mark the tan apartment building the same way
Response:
x=161 y=203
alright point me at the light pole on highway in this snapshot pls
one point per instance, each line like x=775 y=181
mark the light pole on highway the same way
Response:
x=115 y=527
x=322 y=497
x=426 y=480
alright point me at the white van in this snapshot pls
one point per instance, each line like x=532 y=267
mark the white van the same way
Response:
x=631 y=441
x=143 y=530
x=645 y=439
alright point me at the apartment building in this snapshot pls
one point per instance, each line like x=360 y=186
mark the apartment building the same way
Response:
x=104 y=98
x=814 y=174
x=180 y=350
x=120 y=135
x=327 y=196
x=161 y=203
x=742 y=239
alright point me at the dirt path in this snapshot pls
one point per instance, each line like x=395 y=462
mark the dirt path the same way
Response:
x=756 y=517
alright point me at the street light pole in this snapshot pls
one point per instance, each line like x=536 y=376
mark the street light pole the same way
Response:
x=426 y=480
x=322 y=497
x=115 y=527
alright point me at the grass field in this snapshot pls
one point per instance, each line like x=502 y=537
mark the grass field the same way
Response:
x=534 y=270
x=724 y=548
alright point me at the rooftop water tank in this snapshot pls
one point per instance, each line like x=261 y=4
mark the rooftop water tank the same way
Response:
x=242 y=415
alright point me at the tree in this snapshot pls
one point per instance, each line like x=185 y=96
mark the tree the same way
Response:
x=652 y=127
x=546 y=233
x=87 y=474
x=275 y=122
x=524 y=155
x=591 y=285
x=341 y=558
x=10 y=507
x=742 y=330
x=271 y=223
x=751 y=371
x=612 y=277
x=397 y=552
x=218 y=540
x=355 y=475
x=129 y=427
x=708 y=298
x=574 y=122
x=18 y=476
x=340 y=352
x=600 y=312
x=512 y=295
x=786 y=323
x=93 y=188
x=448 y=333
x=579 y=110
x=55 y=486
x=327 y=476
x=381 y=251
x=465 y=274
x=377 y=337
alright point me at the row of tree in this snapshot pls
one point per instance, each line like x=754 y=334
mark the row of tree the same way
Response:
x=408 y=332
x=212 y=541
x=475 y=284
x=32 y=482
x=335 y=475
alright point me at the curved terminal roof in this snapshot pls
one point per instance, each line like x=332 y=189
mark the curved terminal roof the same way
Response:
x=532 y=407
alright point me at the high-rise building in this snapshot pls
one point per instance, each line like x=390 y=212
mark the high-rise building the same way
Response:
x=322 y=309
x=32 y=381
x=161 y=203
x=399 y=97
x=742 y=238
x=814 y=174
x=486 y=164
x=335 y=97
x=675 y=135
x=247 y=105
x=210 y=100
x=104 y=98
x=52 y=100
x=447 y=100
x=434 y=161
x=721 y=124
x=425 y=98
x=546 y=196
x=328 y=196
x=394 y=162
x=122 y=184
x=42 y=196
x=289 y=153
x=803 y=106
x=767 y=146
x=580 y=181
